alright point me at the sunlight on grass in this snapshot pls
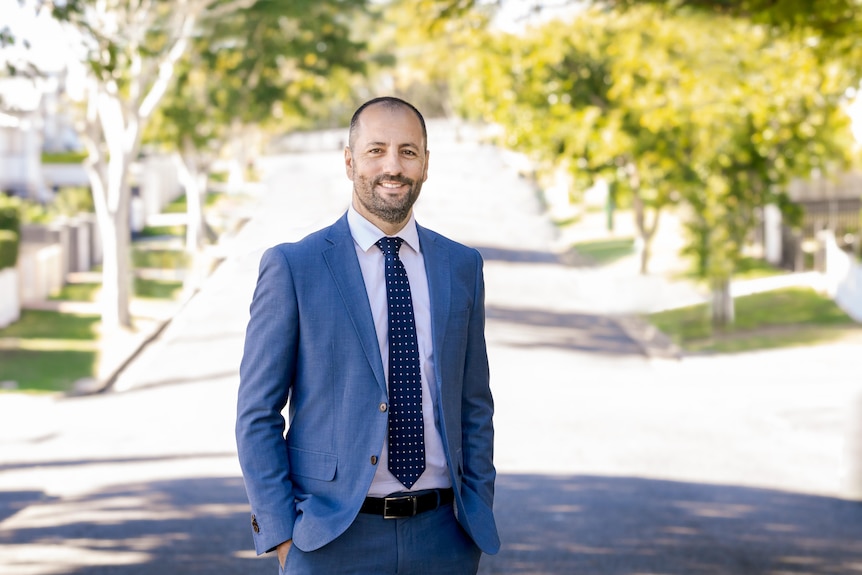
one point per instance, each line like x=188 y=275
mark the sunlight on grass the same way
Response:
x=157 y=289
x=787 y=317
x=55 y=370
x=160 y=259
x=48 y=351
x=606 y=251
x=746 y=269
x=78 y=292
x=38 y=324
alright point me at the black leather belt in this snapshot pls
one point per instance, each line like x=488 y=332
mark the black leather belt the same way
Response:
x=406 y=505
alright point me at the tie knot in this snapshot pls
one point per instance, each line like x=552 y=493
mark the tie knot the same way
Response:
x=389 y=246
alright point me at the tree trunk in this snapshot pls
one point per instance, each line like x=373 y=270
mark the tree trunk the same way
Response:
x=646 y=252
x=108 y=171
x=116 y=270
x=646 y=233
x=194 y=183
x=722 y=303
x=198 y=233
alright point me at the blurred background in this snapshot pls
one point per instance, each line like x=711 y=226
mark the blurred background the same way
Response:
x=689 y=175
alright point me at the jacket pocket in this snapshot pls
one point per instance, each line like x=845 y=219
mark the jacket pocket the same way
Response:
x=312 y=464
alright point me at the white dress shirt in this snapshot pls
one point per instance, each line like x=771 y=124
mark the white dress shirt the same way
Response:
x=365 y=234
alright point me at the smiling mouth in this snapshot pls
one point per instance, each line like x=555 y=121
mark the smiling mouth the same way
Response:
x=393 y=183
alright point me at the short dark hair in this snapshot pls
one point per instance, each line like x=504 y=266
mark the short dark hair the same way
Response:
x=391 y=103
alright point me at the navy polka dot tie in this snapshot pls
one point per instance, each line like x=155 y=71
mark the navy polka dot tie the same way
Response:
x=406 y=430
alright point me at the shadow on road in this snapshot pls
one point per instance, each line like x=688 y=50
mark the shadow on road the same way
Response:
x=549 y=525
x=198 y=525
x=569 y=258
x=559 y=330
x=622 y=526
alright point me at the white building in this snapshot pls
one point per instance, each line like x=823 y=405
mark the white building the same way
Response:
x=21 y=139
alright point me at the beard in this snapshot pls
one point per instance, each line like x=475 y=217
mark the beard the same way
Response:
x=394 y=210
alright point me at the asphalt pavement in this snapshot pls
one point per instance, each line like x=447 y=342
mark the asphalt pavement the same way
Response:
x=612 y=459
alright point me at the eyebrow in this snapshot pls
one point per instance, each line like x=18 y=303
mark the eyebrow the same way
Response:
x=385 y=144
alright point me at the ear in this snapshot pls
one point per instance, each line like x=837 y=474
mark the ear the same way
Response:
x=425 y=171
x=348 y=162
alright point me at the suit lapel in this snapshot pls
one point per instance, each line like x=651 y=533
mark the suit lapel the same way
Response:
x=438 y=270
x=344 y=267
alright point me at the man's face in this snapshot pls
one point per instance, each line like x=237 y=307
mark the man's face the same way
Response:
x=387 y=163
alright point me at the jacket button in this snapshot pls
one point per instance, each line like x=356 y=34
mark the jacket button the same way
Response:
x=383 y=407
x=373 y=460
x=254 y=524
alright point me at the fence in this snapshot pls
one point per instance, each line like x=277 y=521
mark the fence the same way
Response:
x=842 y=276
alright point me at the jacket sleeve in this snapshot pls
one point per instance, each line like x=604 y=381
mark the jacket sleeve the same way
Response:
x=477 y=412
x=266 y=377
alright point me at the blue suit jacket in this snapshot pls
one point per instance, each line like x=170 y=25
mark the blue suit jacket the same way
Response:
x=311 y=340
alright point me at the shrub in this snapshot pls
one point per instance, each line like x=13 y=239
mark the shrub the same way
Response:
x=10 y=229
x=10 y=213
x=8 y=249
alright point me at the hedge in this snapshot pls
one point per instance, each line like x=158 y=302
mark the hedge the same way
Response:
x=10 y=229
x=8 y=249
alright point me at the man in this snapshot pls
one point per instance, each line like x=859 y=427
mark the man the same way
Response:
x=373 y=331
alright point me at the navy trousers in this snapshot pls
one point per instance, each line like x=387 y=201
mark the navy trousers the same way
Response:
x=431 y=543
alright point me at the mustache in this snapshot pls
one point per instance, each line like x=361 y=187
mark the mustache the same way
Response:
x=398 y=179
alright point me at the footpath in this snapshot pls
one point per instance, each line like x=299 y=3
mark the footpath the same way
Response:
x=611 y=460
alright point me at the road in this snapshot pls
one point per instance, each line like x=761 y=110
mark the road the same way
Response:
x=610 y=462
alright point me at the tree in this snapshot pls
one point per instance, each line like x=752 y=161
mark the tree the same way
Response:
x=273 y=64
x=702 y=111
x=429 y=40
x=583 y=96
x=129 y=49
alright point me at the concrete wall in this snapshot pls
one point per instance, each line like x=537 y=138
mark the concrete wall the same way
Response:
x=10 y=302
x=40 y=271
x=157 y=183
x=65 y=175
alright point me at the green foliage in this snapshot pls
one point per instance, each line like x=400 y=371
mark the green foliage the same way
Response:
x=833 y=25
x=10 y=230
x=71 y=201
x=425 y=42
x=703 y=110
x=8 y=249
x=273 y=64
x=10 y=213
x=67 y=202
x=63 y=157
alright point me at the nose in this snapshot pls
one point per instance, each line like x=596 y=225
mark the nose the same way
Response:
x=392 y=162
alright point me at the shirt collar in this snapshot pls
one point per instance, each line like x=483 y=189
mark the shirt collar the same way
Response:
x=366 y=234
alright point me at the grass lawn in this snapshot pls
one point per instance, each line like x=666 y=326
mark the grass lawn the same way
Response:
x=780 y=318
x=48 y=351
x=143 y=288
x=606 y=251
x=46 y=370
x=157 y=289
x=83 y=291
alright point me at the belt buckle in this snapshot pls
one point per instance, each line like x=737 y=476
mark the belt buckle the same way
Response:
x=391 y=514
